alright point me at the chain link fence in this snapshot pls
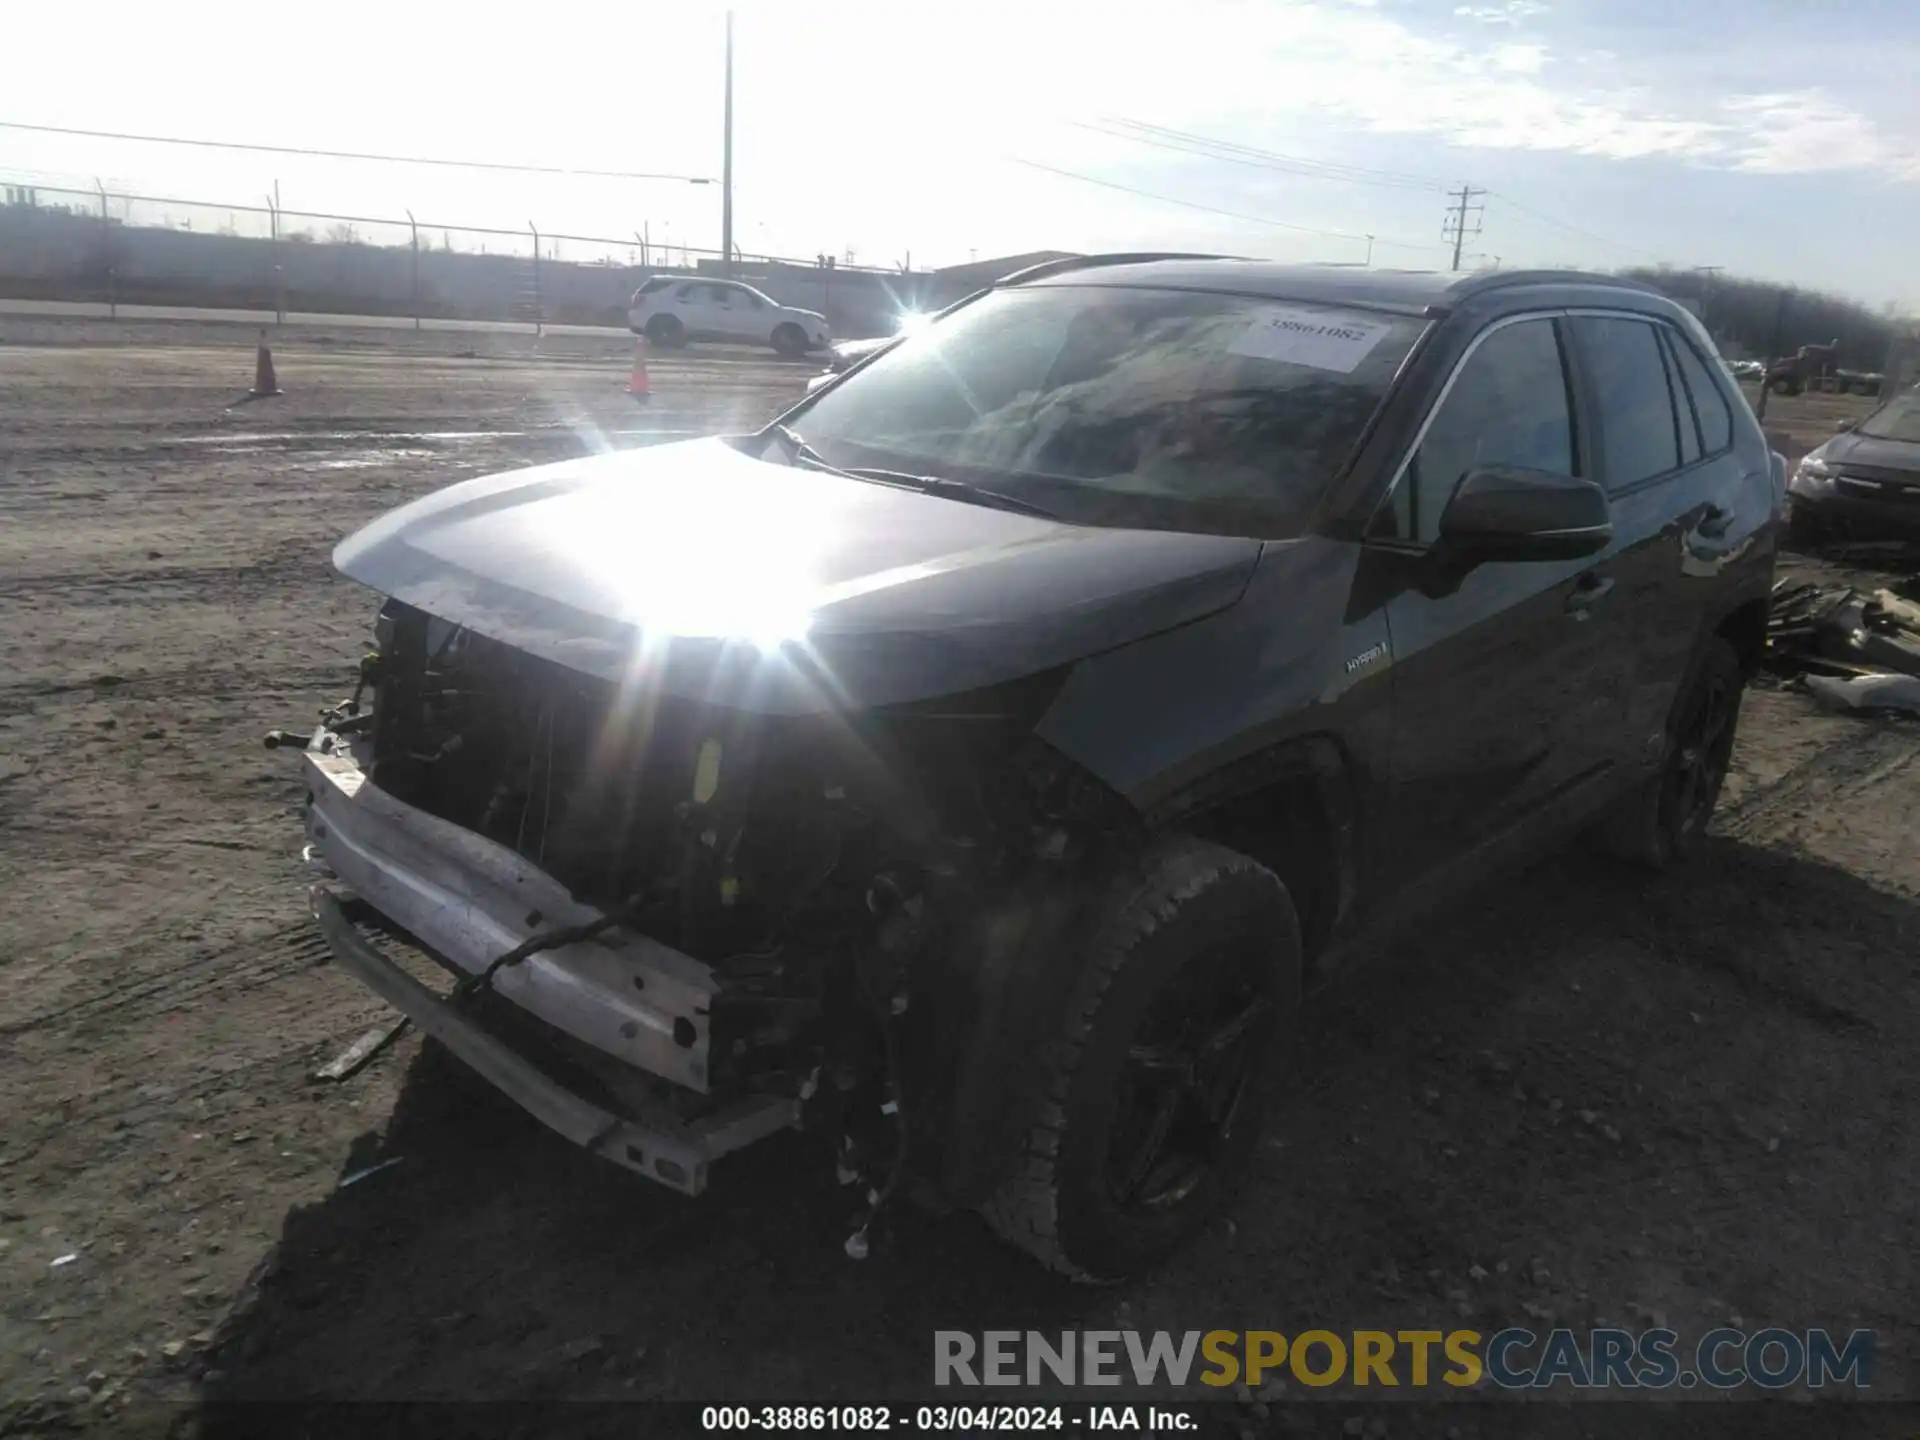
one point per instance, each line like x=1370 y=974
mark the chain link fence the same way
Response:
x=120 y=249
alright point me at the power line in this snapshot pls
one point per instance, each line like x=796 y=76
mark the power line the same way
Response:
x=1233 y=152
x=1213 y=209
x=1513 y=204
x=1188 y=142
x=355 y=155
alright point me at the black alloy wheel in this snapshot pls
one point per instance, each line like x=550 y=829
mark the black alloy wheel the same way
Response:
x=1187 y=1073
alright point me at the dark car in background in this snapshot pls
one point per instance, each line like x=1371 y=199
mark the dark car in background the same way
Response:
x=1865 y=480
x=975 y=767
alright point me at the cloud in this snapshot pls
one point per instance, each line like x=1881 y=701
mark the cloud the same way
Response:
x=1805 y=131
x=1370 y=69
x=1513 y=12
x=1520 y=59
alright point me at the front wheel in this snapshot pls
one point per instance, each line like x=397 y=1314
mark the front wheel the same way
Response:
x=1661 y=823
x=1186 y=1001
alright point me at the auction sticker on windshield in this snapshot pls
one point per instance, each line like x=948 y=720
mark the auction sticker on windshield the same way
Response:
x=1310 y=337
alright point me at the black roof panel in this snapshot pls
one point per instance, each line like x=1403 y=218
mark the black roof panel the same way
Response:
x=1408 y=291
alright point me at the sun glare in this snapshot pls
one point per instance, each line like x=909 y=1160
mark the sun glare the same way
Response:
x=674 y=564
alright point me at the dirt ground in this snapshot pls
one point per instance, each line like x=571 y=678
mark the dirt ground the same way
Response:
x=1586 y=1096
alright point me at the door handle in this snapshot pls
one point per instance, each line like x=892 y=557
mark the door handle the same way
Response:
x=1588 y=591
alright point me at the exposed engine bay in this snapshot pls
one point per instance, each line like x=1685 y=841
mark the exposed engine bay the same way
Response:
x=822 y=866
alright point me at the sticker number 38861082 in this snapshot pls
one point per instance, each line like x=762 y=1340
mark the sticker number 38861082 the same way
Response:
x=1316 y=338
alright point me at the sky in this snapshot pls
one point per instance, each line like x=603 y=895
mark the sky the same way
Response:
x=1774 y=138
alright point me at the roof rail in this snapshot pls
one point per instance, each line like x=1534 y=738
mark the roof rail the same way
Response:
x=1088 y=262
x=1496 y=279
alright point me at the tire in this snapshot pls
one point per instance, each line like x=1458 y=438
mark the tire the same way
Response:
x=666 y=332
x=790 y=340
x=1083 y=1198
x=1661 y=823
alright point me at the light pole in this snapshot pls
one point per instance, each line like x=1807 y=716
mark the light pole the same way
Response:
x=726 y=167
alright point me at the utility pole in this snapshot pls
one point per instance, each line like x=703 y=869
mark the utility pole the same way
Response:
x=1706 y=295
x=1773 y=351
x=1455 y=226
x=726 y=168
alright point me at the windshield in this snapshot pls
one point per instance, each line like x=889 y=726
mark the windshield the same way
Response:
x=1104 y=405
x=1898 y=419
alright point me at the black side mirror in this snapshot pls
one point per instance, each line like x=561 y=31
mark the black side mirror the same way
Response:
x=1840 y=427
x=1504 y=512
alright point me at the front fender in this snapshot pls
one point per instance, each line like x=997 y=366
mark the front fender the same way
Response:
x=997 y=997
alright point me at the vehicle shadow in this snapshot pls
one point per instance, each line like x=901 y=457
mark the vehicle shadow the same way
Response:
x=495 y=1262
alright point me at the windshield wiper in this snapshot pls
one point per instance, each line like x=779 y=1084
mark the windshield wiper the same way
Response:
x=802 y=453
x=953 y=489
x=797 y=448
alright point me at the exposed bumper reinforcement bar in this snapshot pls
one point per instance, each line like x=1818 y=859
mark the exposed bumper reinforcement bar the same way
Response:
x=470 y=900
x=666 y=1149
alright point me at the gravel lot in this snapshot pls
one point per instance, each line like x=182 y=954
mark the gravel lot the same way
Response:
x=1584 y=1096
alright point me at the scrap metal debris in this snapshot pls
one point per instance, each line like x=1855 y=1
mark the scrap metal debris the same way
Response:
x=1867 y=692
x=1867 y=640
x=352 y=1060
x=357 y=1176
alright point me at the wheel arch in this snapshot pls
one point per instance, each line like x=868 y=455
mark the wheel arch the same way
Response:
x=1745 y=628
x=1292 y=807
x=1007 y=980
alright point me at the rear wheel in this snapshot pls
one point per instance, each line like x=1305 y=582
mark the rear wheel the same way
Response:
x=1186 y=1002
x=666 y=332
x=790 y=340
x=1661 y=823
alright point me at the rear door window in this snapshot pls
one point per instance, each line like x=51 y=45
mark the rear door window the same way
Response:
x=1639 y=431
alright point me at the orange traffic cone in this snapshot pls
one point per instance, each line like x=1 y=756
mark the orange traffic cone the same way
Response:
x=264 y=383
x=637 y=382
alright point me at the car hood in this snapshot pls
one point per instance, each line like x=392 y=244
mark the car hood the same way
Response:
x=813 y=315
x=1864 y=450
x=705 y=571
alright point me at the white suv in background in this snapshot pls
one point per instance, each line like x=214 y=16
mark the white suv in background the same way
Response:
x=670 y=312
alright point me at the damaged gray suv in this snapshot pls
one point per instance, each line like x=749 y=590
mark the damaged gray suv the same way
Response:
x=974 y=768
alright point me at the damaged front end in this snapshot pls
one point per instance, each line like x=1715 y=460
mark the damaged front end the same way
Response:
x=676 y=927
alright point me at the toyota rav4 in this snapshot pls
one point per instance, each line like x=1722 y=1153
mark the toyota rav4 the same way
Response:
x=976 y=767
